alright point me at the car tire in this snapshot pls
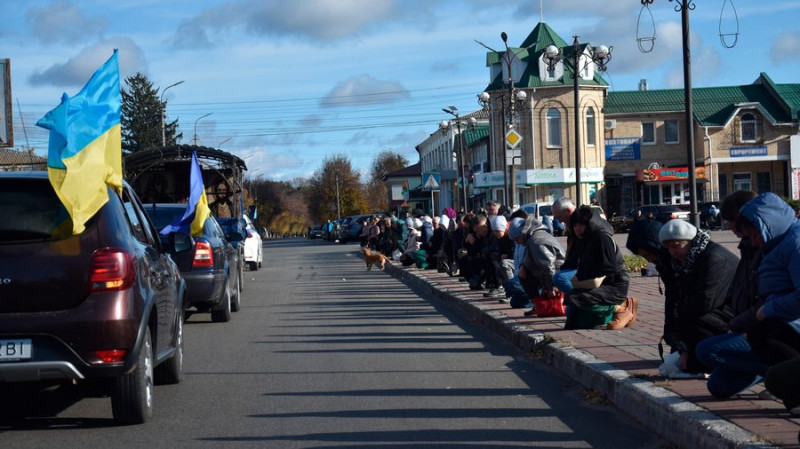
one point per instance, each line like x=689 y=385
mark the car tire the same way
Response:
x=223 y=314
x=170 y=371
x=132 y=395
x=253 y=265
x=236 y=300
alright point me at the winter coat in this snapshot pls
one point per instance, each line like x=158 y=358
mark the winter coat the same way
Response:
x=600 y=256
x=743 y=293
x=543 y=254
x=779 y=271
x=696 y=300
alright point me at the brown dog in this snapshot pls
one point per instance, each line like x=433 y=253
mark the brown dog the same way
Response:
x=377 y=259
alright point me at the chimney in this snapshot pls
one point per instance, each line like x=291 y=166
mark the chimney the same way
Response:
x=643 y=84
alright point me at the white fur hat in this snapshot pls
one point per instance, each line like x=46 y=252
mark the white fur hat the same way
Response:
x=417 y=223
x=444 y=220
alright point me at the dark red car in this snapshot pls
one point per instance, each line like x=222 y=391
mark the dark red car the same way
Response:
x=104 y=306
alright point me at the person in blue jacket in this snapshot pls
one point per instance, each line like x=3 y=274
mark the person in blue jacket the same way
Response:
x=770 y=224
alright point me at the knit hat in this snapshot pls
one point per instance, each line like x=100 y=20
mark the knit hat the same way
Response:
x=677 y=229
x=644 y=235
x=499 y=222
x=450 y=212
x=515 y=227
x=444 y=220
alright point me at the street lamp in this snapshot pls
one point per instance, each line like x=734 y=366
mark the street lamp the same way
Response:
x=514 y=97
x=164 y=113
x=195 y=126
x=338 y=208
x=444 y=127
x=599 y=55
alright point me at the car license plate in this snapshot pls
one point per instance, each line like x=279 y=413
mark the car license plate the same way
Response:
x=15 y=350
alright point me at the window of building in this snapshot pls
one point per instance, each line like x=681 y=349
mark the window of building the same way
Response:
x=763 y=182
x=671 y=131
x=742 y=181
x=648 y=133
x=553 y=128
x=748 y=129
x=590 y=128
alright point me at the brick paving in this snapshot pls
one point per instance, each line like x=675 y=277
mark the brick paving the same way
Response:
x=634 y=351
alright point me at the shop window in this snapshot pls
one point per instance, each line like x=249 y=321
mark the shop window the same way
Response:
x=742 y=181
x=671 y=131
x=748 y=128
x=648 y=133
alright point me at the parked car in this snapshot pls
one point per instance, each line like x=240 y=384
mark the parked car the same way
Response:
x=252 y=245
x=351 y=228
x=538 y=210
x=316 y=233
x=661 y=213
x=211 y=269
x=104 y=306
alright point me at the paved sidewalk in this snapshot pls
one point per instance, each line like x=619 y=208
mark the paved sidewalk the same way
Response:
x=623 y=366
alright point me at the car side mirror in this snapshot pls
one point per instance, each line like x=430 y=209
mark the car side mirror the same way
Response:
x=180 y=242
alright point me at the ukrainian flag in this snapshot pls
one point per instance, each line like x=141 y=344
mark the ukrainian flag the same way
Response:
x=196 y=208
x=85 y=148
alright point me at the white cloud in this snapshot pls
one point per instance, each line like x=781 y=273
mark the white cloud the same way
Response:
x=63 y=22
x=785 y=48
x=362 y=90
x=77 y=70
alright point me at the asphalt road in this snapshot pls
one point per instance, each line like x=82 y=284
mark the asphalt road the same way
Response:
x=326 y=354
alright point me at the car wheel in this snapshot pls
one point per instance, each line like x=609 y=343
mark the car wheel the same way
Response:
x=171 y=370
x=223 y=314
x=237 y=297
x=253 y=265
x=260 y=258
x=132 y=395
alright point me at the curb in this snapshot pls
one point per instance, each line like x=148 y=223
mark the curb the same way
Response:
x=669 y=415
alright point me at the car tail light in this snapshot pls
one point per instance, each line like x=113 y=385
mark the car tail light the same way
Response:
x=111 y=355
x=203 y=255
x=249 y=233
x=111 y=269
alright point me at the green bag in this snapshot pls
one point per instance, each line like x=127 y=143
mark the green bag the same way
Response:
x=420 y=259
x=589 y=317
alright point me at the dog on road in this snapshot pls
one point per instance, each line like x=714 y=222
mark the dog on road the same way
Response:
x=371 y=259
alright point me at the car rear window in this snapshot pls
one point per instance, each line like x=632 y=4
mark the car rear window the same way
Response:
x=31 y=211
x=162 y=216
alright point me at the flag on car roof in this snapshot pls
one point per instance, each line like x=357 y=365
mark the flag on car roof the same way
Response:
x=196 y=208
x=85 y=147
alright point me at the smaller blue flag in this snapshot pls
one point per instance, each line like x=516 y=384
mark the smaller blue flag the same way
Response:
x=197 y=209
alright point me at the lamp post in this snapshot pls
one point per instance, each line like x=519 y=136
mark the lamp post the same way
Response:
x=164 y=113
x=684 y=6
x=338 y=209
x=599 y=55
x=195 y=126
x=444 y=126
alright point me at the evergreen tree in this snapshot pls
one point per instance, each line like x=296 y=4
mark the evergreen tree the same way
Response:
x=141 y=117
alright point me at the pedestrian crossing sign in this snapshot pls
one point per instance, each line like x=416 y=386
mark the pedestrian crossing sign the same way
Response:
x=430 y=181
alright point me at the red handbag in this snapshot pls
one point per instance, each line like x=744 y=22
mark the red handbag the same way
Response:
x=549 y=306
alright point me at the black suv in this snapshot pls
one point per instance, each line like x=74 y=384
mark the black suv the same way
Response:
x=102 y=307
x=211 y=269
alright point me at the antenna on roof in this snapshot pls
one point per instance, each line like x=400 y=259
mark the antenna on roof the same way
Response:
x=541 y=10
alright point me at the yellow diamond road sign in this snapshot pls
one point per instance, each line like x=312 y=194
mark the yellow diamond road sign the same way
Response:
x=513 y=138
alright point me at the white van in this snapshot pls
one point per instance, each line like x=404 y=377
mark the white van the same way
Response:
x=538 y=210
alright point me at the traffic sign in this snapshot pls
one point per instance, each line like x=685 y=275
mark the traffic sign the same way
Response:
x=513 y=138
x=430 y=181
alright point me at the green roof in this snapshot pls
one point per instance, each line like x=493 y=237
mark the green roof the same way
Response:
x=473 y=135
x=712 y=106
x=530 y=52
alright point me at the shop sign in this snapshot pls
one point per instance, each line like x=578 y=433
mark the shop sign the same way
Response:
x=669 y=174
x=748 y=151
x=623 y=149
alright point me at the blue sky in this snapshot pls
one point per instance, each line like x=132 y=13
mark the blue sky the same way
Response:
x=290 y=83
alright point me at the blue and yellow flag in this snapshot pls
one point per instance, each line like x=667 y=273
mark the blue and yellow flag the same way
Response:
x=196 y=208
x=85 y=149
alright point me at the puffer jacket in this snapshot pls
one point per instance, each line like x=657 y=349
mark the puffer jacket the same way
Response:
x=543 y=254
x=779 y=272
